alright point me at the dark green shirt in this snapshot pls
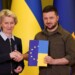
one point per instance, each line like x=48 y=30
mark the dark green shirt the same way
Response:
x=61 y=44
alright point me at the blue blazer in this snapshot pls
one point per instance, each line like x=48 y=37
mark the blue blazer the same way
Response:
x=6 y=63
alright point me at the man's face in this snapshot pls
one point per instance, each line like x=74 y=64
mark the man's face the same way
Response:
x=50 y=19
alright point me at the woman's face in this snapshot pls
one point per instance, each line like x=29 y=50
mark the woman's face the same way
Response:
x=7 y=24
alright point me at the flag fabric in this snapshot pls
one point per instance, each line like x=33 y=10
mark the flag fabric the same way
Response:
x=35 y=7
x=28 y=25
x=0 y=9
x=66 y=11
x=0 y=4
x=38 y=49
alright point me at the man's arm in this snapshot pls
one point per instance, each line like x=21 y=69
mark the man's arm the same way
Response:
x=52 y=61
x=25 y=56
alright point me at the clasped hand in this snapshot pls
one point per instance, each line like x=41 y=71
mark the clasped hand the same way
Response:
x=16 y=56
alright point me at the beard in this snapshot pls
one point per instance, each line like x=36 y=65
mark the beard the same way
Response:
x=52 y=26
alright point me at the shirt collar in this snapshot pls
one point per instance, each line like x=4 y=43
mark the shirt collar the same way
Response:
x=5 y=37
x=58 y=30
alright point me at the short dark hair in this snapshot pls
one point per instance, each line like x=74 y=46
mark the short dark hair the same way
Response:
x=50 y=8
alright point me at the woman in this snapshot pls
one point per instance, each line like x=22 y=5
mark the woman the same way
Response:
x=10 y=46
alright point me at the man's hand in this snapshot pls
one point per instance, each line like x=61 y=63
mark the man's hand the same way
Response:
x=16 y=56
x=59 y=61
x=49 y=60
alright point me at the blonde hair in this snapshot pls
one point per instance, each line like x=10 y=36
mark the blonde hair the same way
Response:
x=8 y=13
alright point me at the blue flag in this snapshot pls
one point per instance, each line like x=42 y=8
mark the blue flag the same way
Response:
x=38 y=49
x=66 y=11
x=33 y=4
x=0 y=4
x=33 y=50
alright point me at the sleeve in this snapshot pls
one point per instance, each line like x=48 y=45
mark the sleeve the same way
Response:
x=21 y=63
x=4 y=57
x=70 y=50
x=37 y=37
x=4 y=52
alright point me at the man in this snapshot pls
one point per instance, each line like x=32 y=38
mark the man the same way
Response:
x=61 y=53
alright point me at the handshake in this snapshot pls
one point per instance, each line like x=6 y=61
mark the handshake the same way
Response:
x=16 y=56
